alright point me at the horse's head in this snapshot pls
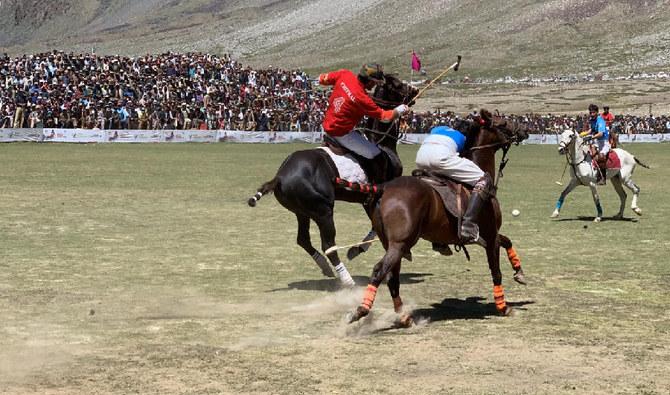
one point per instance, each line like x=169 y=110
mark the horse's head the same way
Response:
x=390 y=94
x=393 y=92
x=492 y=131
x=566 y=139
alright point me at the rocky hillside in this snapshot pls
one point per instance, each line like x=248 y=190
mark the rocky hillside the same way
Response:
x=496 y=38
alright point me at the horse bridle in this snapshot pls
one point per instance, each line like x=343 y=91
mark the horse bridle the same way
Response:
x=506 y=144
x=564 y=146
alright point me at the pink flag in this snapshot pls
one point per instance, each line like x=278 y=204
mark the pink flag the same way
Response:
x=416 y=63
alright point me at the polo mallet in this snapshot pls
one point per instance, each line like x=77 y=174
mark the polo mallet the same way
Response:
x=454 y=66
x=336 y=248
x=564 y=168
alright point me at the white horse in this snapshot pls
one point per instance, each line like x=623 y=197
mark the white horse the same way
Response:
x=583 y=173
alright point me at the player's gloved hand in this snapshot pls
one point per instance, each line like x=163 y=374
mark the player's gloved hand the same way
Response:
x=401 y=109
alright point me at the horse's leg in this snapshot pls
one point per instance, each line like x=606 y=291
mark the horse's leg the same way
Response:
x=387 y=264
x=596 y=201
x=394 y=289
x=513 y=257
x=355 y=251
x=305 y=242
x=326 y=226
x=561 y=199
x=493 y=256
x=636 y=192
x=616 y=183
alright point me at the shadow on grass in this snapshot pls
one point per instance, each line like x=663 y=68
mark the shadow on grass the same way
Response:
x=472 y=308
x=333 y=284
x=590 y=219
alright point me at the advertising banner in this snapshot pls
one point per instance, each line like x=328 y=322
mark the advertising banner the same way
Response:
x=16 y=135
x=237 y=136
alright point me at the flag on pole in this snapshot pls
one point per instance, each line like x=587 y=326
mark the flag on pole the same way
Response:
x=416 y=62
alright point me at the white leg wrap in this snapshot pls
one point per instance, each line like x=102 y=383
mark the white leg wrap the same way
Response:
x=344 y=275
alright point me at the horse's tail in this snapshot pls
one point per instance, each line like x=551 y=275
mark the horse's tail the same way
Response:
x=263 y=190
x=640 y=163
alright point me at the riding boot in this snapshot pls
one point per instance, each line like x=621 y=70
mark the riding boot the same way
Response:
x=469 y=232
x=602 y=170
x=469 y=229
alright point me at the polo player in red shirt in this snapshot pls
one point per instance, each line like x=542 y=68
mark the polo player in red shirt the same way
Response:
x=347 y=105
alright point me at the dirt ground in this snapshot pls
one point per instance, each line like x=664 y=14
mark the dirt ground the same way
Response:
x=140 y=269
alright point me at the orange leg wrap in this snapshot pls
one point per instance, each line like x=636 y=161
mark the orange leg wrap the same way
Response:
x=369 y=296
x=514 y=258
x=397 y=304
x=499 y=297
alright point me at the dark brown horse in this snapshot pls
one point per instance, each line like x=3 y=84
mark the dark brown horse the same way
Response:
x=305 y=181
x=410 y=209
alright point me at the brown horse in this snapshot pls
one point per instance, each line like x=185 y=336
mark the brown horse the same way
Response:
x=410 y=209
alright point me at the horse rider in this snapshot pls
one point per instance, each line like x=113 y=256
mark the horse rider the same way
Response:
x=440 y=153
x=609 y=120
x=608 y=117
x=599 y=134
x=347 y=105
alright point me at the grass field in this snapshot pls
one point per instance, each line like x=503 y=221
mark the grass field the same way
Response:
x=140 y=269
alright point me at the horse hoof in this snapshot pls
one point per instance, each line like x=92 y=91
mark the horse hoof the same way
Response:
x=353 y=252
x=348 y=284
x=358 y=314
x=520 y=277
x=637 y=210
x=555 y=214
x=405 y=321
x=618 y=217
x=508 y=311
x=597 y=219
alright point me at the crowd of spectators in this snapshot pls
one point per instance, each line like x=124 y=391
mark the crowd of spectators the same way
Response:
x=422 y=122
x=166 y=91
x=199 y=91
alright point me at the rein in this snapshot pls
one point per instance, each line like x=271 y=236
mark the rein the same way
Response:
x=506 y=145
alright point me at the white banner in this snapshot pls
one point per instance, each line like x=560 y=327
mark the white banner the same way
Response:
x=135 y=136
x=236 y=136
x=14 y=135
x=74 y=135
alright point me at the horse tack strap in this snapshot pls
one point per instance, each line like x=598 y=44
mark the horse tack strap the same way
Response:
x=503 y=163
x=459 y=204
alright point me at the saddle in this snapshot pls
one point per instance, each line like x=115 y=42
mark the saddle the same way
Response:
x=387 y=168
x=454 y=194
x=334 y=146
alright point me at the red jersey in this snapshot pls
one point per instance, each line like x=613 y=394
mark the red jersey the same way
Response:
x=348 y=103
x=609 y=118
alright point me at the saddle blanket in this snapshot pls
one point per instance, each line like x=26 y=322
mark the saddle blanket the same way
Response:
x=613 y=161
x=348 y=167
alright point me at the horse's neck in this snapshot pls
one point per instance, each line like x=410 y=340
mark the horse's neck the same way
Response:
x=577 y=152
x=486 y=160
x=387 y=134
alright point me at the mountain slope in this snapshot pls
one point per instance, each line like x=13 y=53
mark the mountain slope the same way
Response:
x=516 y=37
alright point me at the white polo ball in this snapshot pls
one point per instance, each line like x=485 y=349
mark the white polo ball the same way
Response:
x=515 y=213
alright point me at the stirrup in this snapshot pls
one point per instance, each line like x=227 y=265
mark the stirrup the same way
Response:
x=472 y=238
